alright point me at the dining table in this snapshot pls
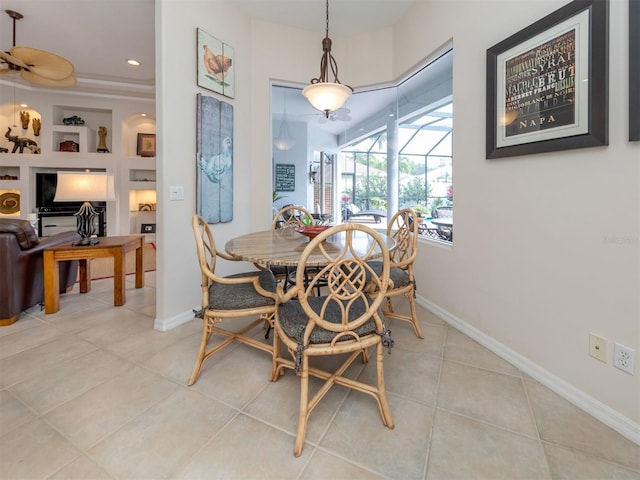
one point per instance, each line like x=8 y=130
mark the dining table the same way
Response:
x=285 y=246
x=445 y=226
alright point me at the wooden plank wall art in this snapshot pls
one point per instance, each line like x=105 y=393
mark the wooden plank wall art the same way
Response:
x=214 y=180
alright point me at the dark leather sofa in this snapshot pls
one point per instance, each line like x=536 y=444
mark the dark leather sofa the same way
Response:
x=21 y=269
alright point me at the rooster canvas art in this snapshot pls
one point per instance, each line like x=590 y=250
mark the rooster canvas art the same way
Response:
x=215 y=64
x=214 y=160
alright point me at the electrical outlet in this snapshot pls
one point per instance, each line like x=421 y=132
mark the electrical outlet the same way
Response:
x=624 y=358
x=598 y=347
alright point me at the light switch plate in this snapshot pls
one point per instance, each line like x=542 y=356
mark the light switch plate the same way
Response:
x=176 y=192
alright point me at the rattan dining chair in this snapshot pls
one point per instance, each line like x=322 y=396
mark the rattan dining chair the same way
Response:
x=234 y=296
x=345 y=320
x=403 y=227
x=289 y=216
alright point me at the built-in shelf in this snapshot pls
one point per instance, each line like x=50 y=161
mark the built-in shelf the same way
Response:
x=86 y=134
x=10 y=173
x=66 y=133
x=135 y=176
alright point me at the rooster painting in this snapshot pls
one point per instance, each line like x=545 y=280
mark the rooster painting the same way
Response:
x=215 y=65
x=216 y=166
x=214 y=160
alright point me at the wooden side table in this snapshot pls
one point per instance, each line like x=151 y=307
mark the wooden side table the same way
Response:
x=115 y=247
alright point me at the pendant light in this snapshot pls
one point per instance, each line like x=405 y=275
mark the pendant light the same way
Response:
x=324 y=95
x=284 y=140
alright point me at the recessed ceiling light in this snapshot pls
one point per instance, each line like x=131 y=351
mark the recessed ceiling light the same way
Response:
x=133 y=62
x=143 y=114
x=24 y=105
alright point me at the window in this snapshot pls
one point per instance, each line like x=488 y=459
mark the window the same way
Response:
x=388 y=147
x=420 y=153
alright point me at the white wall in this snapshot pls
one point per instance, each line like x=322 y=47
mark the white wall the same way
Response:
x=546 y=246
x=178 y=281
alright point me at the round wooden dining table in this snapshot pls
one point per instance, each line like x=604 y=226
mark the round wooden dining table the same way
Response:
x=284 y=246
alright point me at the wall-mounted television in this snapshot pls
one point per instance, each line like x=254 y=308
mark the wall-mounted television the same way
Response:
x=46 y=191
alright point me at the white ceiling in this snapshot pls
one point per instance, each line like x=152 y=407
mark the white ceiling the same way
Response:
x=97 y=36
x=346 y=17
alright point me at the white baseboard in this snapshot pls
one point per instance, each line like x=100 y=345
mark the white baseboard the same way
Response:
x=618 y=422
x=173 y=322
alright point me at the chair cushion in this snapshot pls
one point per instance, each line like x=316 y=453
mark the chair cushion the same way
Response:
x=223 y=296
x=22 y=229
x=293 y=320
x=398 y=276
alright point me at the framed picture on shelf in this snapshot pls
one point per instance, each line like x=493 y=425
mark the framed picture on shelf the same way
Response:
x=148 y=228
x=146 y=145
x=634 y=70
x=547 y=84
x=215 y=65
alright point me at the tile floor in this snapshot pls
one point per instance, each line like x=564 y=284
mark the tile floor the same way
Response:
x=93 y=392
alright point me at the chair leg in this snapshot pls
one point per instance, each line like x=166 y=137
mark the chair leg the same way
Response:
x=385 y=411
x=277 y=351
x=206 y=334
x=303 y=414
x=414 y=316
x=389 y=305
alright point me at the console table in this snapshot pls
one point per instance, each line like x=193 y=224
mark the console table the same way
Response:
x=116 y=247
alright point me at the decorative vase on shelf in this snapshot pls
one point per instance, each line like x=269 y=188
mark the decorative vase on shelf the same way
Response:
x=102 y=140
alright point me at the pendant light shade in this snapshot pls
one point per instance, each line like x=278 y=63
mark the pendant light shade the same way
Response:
x=324 y=95
x=284 y=140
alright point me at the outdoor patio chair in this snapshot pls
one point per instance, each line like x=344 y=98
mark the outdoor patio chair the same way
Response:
x=444 y=233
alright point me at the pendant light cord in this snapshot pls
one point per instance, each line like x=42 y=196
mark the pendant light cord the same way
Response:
x=327 y=19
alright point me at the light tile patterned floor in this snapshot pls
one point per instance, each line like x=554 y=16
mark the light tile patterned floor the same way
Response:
x=93 y=392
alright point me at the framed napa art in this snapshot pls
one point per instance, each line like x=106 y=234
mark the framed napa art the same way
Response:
x=634 y=70
x=547 y=85
x=215 y=65
x=214 y=160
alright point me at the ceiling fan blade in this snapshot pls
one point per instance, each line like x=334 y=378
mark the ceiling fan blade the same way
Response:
x=12 y=60
x=32 y=77
x=43 y=63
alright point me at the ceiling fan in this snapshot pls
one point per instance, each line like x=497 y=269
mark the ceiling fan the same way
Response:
x=36 y=66
x=342 y=115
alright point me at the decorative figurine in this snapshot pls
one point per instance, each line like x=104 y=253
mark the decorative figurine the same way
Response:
x=20 y=142
x=24 y=119
x=36 y=126
x=35 y=149
x=73 y=120
x=102 y=140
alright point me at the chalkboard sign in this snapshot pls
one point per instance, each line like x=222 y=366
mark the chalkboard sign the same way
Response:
x=285 y=178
